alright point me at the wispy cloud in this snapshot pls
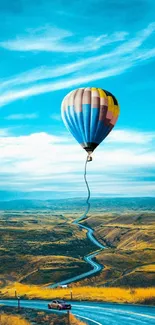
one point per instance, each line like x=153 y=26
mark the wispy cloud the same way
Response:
x=112 y=63
x=26 y=162
x=22 y=116
x=13 y=95
x=36 y=39
x=51 y=39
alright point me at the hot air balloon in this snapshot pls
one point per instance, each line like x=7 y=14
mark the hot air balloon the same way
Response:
x=90 y=114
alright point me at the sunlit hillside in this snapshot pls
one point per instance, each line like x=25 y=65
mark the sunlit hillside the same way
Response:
x=130 y=248
x=52 y=247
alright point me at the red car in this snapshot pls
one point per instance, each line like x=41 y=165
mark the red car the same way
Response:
x=59 y=304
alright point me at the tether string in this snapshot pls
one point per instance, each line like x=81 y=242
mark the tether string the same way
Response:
x=87 y=185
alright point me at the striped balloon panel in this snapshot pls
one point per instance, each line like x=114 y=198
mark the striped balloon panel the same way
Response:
x=68 y=117
x=90 y=114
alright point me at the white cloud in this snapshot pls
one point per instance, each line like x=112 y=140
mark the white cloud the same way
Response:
x=36 y=39
x=78 y=73
x=22 y=116
x=47 y=162
x=11 y=96
x=131 y=189
x=50 y=72
x=126 y=136
x=58 y=40
x=51 y=39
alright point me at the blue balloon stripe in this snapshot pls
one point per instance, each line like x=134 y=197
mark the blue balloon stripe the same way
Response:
x=86 y=110
x=94 y=122
x=73 y=119
x=109 y=128
x=79 y=118
x=77 y=122
x=71 y=127
x=102 y=132
x=98 y=132
x=81 y=110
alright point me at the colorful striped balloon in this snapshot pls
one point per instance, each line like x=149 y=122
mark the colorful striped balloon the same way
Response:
x=90 y=114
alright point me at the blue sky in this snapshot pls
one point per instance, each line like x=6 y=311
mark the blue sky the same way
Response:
x=48 y=48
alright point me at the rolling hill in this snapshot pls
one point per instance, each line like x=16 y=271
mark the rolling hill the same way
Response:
x=40 y=245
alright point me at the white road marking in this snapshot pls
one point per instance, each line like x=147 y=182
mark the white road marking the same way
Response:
x=93 y=321
x=116 y=311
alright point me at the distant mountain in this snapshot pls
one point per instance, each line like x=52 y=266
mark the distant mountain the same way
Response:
x=106 y=204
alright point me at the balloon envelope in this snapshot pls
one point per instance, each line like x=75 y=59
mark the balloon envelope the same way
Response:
x=90 y=114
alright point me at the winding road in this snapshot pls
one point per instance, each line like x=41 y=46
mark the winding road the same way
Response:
x=96 y=267
x=98 y=313
x=93 y=313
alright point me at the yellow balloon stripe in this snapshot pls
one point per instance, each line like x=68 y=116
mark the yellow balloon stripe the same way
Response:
x=102 y=93
x=114 y=109
x=110 y=104
x=117 y=110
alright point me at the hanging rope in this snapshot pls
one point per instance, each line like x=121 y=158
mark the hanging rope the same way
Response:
x=87 y=185
x=89 y=158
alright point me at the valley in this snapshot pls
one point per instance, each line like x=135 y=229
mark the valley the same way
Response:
x=40 y=244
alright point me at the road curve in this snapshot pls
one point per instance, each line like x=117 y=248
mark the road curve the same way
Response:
x=96 y=267
x=98 y=313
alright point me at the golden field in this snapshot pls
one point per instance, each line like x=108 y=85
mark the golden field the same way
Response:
x=40 y=317
x=12 y=320
x=75 y=321
x=111 y=294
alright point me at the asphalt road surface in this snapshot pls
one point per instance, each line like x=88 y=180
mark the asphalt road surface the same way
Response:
x=96 y=267
x=94 y=313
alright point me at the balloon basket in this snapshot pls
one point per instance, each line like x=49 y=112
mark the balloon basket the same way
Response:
x=89 y=158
